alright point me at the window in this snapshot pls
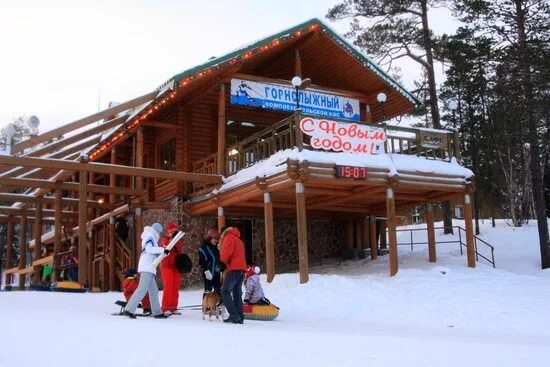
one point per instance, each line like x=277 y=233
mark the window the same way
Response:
x=168 y=155
x=416 y=217
x=459 y=214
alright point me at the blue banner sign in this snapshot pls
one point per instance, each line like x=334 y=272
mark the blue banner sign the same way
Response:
x=283 y=98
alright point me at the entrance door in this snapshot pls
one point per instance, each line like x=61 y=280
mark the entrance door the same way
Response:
x=245 y=227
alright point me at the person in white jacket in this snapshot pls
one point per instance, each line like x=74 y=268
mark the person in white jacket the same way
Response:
x=150 y=250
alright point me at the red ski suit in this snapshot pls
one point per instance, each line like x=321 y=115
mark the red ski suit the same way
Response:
x=129 y=286
x=171 y=277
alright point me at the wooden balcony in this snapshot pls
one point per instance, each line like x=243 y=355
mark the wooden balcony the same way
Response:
x=421 y=142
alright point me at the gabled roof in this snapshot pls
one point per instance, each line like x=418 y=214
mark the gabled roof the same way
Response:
x=187 y=78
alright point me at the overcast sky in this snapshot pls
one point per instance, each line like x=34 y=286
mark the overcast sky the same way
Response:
x=61 y=60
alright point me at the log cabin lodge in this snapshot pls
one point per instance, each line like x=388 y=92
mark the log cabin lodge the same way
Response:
x=228 y=142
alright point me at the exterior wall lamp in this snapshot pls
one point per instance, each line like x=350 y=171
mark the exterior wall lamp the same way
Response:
x=298 y=84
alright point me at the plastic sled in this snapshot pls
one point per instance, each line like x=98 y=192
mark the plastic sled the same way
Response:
x=67 y=286
x=260 y=312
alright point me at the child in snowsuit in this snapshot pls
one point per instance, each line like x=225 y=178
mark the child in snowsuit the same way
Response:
x=129 y=286
x=254 y=293
x=171 y=277
x=147 y=272
x=209 y=260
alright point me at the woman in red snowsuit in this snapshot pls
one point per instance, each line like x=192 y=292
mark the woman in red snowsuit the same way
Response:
x=171 y=277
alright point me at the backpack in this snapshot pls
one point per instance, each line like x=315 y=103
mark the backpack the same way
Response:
x=183 y=263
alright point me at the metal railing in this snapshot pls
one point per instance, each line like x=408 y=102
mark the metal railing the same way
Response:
x=461 y=234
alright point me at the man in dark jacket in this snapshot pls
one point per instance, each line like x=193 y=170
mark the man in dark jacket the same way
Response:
x=233 y=256
x=209 y=260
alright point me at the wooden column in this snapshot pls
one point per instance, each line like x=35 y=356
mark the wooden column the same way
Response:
x=392 y=235
x=431 y=233
x=470 y=249
x=349 y=234
x=301 y=222
x=364 y=233
x=297 y=64
x=368 y=114
x=221 y=130
x=37 y=253
x=269 y=237
x=298 y=131
x=22 y=249
x=82 y=224
x=9 y=250
x=112 y=230
x=221 y=218
x=372 y=238
x=358 y=233
x=139 y=187
x=57 y=227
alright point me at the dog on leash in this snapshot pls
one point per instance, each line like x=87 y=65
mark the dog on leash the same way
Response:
x=211 y=305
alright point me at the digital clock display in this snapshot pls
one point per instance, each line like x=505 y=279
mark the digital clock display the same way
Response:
x=355 y=173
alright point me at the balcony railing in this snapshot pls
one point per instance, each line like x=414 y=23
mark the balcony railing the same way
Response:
x=428 y=143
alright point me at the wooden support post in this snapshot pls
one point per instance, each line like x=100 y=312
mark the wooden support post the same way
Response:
x=269 y=237
x=37 y=254
x=82 y=233
x=368 y=114
x=392 y=235
x=221 y=218
x=221 y=130
x=301 y=222
x=358 y=233
x=139 y=187
x=431 y=233
x=9 y=250
x=298 y=131
x=297 y=64
x=372 y=237
x=57 y=228
x=470 y=250
x=112 y=229
x=349 y=234
x=364 y=233
x=22 y=250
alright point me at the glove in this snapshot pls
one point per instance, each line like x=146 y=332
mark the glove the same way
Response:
x=208 y=275
x=166 y=251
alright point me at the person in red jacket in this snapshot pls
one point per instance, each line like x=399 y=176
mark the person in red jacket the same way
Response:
x=171 y=277
x=129 y=286
x=233 y=256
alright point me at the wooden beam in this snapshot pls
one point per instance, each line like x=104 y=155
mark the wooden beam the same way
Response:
x=9 y=251
x=8 y=210
x=297 y=64
x=57 y=226
x=470 y=245
x=372 y=237
x=83 y=122
x=37 y=253
x=269 y=237
x=82 y=228
x=15 y=218
x=22 y=198
x=161 y=125
x=431 y=233
x=112 y=228
x=392 y=234
x=221 y=218
x=139 y=186
x=75 y=148
x=22 y=250
x=221 y=130
x=301 y=222
x=56 y=145
x=105 y=168
x=66 y=186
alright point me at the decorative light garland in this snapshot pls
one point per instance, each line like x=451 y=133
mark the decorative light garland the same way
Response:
x=130 y=127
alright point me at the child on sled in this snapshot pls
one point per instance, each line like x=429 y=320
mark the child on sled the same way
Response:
x=254 y=293
x=129 y=286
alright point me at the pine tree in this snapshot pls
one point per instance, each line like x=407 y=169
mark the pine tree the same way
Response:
x=394 y=29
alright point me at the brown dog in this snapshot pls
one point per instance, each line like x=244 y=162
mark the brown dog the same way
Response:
x=210 y=305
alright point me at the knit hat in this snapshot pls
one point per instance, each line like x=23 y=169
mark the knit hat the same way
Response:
x=252 y=270
x=212 y=233
x=172 y=227
x=130 y=273
x=157 y=227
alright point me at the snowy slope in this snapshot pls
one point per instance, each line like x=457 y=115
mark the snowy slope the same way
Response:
x=349 y=314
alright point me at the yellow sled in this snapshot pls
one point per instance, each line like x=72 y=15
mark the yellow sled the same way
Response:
x=260 y=312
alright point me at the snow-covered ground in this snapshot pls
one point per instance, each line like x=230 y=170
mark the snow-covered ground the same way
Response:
x=349 y=314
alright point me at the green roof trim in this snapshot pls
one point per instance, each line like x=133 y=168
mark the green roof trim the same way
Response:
x=288 y=32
